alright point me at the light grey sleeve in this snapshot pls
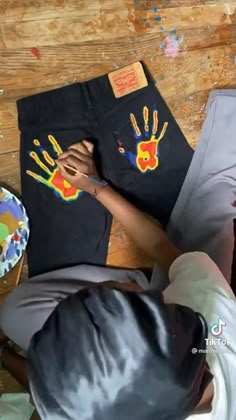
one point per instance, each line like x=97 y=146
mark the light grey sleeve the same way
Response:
x=202 y=219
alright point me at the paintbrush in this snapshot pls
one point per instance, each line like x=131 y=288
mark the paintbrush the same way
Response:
x=76 y=172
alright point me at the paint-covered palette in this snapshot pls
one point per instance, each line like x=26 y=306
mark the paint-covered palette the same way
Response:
x=14 y=230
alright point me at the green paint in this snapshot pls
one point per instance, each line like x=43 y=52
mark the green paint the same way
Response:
x=4 y=232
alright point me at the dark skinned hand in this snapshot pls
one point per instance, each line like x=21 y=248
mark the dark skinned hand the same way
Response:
x=80 y=157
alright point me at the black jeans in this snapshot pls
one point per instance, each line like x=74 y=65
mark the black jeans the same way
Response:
x=139 y=149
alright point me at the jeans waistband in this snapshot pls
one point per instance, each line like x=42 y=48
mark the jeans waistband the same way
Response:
x=93 y=94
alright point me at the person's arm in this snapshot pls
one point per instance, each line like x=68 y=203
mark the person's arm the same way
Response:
x=147 y=234
x=15 y=365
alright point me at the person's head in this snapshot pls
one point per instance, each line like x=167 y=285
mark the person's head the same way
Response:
x=108 y=354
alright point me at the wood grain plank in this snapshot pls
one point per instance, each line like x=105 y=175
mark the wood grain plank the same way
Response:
x=67 y=30
x=162 y=4
x=130 y=257
x=28 y=76
x=26 y=10
x=9 y=171
x=9 y=140
x=124 y=23
x=185 y=18
x=8 y=112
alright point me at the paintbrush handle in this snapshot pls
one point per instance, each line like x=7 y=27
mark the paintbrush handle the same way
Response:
x=75 y=170
x=97 y=181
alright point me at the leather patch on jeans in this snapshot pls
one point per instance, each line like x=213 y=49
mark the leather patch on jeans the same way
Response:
x=128 y=79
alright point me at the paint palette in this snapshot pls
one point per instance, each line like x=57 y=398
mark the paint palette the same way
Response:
x=14 y=230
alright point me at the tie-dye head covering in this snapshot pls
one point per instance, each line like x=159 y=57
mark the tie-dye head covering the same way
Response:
x=106 y=354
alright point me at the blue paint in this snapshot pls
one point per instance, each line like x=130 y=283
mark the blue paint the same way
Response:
x=132 y=158
x=158 y=18
x=155 y=9
x=161 y=45
x=10 y=251
x=162 y=29
x=174 y=40
x=95 y=180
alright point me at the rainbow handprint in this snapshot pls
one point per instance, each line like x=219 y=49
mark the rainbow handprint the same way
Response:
x=147 y=151
x=61 y=188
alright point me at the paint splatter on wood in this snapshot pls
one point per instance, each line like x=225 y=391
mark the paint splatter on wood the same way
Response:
x=1 y=91
x=171 y=44
x=152 y=56
x=170 y=47
x=35 y=51
x=202 y=107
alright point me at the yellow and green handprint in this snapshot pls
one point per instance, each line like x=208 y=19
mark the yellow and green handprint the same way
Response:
x=54 y=181
x=147 y=153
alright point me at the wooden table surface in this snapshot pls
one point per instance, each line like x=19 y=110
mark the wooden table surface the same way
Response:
x=51 y=43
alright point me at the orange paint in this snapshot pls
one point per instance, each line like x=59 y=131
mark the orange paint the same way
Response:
x=147 y=158
x=8 y=219
x=63 y=188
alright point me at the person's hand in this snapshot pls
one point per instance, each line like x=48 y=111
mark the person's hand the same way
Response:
x=80 y=157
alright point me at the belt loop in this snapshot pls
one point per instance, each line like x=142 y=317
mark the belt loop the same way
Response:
x=87 y=95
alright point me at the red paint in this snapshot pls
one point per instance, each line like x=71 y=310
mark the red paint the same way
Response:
x=16 y=237
x=65 y=190
x=35 y=51
x=126 y=79
x=147 y=155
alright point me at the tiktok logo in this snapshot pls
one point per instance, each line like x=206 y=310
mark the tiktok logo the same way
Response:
x=217 y=329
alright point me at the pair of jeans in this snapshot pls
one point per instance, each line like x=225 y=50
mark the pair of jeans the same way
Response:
x=139 y=150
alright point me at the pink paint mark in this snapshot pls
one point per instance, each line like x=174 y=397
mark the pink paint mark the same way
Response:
x=35 y=51
x=171 y=47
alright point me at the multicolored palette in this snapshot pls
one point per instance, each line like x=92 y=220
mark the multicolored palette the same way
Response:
x=14 y=230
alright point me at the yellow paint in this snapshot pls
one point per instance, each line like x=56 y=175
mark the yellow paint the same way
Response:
x=55 y=182
x=55 y=145
x=155 y=122
x=147 y=150
x=40 y=163
x=135 y=125
x=146 y=118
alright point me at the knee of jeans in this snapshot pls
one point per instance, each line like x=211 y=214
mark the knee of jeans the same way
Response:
x=10 y=313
